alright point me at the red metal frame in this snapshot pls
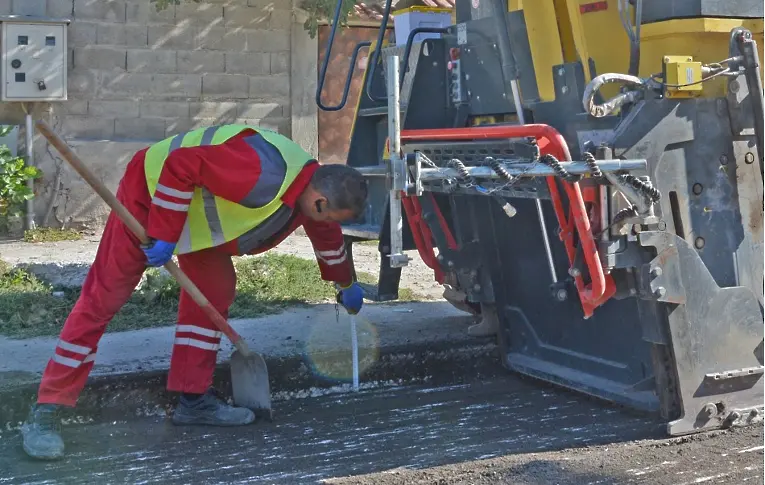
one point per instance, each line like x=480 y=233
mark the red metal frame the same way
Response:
x=423 y=237
x=551 y=142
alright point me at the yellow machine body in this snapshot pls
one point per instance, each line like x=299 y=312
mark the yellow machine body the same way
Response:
x=571 y=30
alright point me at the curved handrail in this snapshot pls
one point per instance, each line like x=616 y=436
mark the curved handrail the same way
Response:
x=348 y=79
x=550 y=141
x=376 y=56
x=325 y=64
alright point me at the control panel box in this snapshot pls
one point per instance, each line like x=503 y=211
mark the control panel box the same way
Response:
x=34 y=60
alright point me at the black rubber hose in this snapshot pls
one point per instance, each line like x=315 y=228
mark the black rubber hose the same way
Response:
x=553 y=163
x=649 y=191
x=595 y=171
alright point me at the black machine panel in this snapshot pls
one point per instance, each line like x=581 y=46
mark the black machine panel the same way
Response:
x=547 y=338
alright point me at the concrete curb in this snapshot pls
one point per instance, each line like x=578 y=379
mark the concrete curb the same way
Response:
x=119 y=396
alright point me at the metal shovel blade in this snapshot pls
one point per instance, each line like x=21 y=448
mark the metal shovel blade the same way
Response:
x=249 y=380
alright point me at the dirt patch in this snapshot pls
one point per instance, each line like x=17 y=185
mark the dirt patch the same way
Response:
x=65 y=263
x=727 y=457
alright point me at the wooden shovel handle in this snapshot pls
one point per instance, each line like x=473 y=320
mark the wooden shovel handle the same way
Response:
x=137 y=229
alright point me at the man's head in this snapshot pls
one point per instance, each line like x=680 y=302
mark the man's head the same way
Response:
x=336 y=193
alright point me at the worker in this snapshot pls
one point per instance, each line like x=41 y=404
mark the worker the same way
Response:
x=205 y=195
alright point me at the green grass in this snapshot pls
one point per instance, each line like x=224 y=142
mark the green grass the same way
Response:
x=372 y=242
x=265 y=285
x=49 y=234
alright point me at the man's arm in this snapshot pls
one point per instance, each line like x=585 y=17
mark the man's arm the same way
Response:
x=329 y=247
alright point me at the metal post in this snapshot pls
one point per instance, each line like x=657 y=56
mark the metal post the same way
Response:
x=397 y=166
x=542 y=224
x=30 y=220
x=516 y=168
x=748 y=48
x=604 y=152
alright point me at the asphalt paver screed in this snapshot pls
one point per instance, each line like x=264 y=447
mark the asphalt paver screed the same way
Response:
x=525 y=433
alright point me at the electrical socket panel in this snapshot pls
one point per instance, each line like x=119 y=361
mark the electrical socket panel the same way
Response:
x=34 y=61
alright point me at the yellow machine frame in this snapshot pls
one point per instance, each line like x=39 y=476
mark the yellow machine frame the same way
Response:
x=559 y=32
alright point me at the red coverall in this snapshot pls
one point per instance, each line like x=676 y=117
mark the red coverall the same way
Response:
x=228 y=170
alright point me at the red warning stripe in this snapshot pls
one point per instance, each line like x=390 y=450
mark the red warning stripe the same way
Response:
x=593 y=7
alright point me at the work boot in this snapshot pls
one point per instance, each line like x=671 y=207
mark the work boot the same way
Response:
x=42 y=433
x=209 y=409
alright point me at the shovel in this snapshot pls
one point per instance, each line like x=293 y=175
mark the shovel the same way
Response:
x=249 y=374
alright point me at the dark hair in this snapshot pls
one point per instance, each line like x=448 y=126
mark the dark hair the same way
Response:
x=343 y=186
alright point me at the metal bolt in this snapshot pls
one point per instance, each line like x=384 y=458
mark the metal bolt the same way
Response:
x=699 y=243
x=476 y=287
x=564 y=89
x=467 y=77
x=561 y=294
x=660 y=292
x=709 y=409
x=440 y=257
x=450 y=264
x=656 y=272
x=732 y=417
x=666 y=58
x=733 y=87
x=697 y=189
x=749 y=157
x=574 y=272
x=724 y=159
x=633 y=291
x=662 y=226
x=561 y=72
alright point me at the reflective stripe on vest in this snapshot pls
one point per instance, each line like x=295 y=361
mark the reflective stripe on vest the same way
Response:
x=211 y=220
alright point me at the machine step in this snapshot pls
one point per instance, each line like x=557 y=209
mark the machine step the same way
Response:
x=378 y=111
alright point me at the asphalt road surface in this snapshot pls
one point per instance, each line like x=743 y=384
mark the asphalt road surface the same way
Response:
x=505 y=430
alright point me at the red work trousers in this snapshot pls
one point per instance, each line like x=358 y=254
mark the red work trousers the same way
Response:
x=116 y=271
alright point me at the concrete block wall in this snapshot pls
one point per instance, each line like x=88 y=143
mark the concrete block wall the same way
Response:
x=137 y=75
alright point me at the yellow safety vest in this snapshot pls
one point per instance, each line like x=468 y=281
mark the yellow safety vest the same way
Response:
x=212 y=220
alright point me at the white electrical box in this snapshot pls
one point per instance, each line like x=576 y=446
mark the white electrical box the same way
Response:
x=34 y=65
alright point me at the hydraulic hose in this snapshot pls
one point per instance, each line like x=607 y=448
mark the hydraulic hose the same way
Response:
x=605 y=109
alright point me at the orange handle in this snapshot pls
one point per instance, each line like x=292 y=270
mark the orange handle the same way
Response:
x=137 y=229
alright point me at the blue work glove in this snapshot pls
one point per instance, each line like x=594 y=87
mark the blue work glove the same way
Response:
x=158 y=252
x=352 y=298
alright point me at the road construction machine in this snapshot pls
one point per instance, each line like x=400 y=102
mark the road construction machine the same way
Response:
x=586 y=177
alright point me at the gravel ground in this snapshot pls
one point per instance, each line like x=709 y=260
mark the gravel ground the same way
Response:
x=66 y=263
x=717 y=458
x=495 y=430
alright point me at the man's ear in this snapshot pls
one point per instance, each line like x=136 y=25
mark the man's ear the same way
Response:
x=320 y=204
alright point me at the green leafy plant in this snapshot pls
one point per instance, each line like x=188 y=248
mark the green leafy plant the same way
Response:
x=50 y=234
x=163 y=4
x=324 y=10
x=14 y=175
